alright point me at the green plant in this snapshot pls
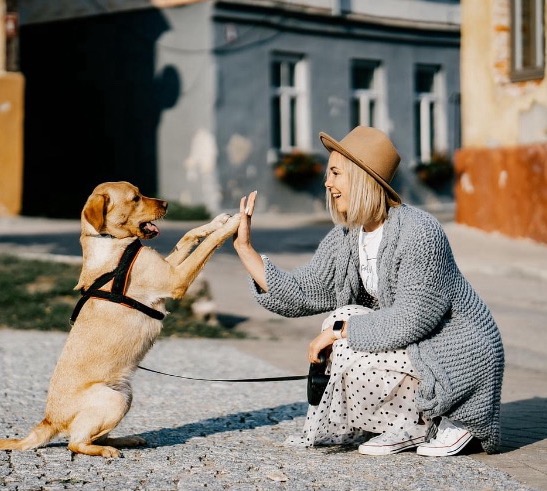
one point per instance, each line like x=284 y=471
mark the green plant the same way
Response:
x=40 y=295
x=437 y=172
x=298 y=168
x=177 y=211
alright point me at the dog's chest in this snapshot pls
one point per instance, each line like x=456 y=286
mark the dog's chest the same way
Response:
x=101 y=255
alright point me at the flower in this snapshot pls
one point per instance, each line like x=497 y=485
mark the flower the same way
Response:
x=436 y=173
x=297 y=168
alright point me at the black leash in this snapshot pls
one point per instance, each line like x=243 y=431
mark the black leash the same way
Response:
x=266 y=379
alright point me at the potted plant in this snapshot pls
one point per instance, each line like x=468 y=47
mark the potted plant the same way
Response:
x=437 y=172
x=298 y=169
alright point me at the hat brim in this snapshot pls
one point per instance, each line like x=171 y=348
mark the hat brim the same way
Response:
x=331 y=144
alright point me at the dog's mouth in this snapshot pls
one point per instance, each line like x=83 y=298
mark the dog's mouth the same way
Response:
x=149 y=230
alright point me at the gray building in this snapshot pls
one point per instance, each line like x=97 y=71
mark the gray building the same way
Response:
x=195 y=102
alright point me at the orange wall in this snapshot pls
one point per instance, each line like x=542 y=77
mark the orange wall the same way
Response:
x=11 y=142
x=503 y=190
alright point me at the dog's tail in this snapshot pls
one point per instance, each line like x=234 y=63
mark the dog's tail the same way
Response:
x=41 y=434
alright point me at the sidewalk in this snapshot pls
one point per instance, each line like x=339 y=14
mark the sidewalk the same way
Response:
x=230 y=437
x=511 y=276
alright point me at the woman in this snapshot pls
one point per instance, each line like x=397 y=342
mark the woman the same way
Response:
x=417 y=359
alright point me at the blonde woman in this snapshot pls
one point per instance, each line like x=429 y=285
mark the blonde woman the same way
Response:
x=416 y=359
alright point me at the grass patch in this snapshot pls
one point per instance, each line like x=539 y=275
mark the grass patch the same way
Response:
x=40 y=295
x=176 y=211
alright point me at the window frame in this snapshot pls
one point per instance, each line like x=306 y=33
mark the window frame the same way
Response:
x=432 y=132
x=519 y=72
x=292 y=128
x=363 y=97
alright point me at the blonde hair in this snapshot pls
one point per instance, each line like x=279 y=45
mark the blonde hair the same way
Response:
x=368 y=200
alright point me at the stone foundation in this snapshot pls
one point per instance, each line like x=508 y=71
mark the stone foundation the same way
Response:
x=503 y=190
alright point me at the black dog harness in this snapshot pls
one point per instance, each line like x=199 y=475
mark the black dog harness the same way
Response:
x=120 y=276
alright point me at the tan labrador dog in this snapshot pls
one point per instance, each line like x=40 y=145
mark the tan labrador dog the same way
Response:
x=90 y=389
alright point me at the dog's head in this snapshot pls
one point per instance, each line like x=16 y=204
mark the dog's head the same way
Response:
x=120 y=210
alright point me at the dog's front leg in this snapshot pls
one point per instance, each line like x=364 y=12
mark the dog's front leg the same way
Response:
x=193 y=237
x=189 y=269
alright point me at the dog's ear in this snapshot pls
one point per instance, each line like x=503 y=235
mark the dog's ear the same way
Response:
x=95 y=211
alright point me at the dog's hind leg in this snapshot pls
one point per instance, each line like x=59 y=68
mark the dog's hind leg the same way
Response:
x=193 y=237
x=102 y=411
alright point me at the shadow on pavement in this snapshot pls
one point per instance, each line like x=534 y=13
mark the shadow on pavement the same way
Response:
x=247 y=420
x=523 y=423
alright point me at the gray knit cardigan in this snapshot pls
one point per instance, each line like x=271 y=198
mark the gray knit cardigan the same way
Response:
x=424 y=304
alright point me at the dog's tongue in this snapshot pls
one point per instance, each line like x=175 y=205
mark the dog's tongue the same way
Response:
x=151 y=227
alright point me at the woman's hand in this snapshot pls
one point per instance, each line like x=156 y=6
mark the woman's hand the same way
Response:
x=242 y=243
x=242 y=238
x=322 y=341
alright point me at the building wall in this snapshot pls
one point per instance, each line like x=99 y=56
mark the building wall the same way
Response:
x=160 y=98
x=11 y=142
x=243 y=121
x=11 y=129
x=502 y=166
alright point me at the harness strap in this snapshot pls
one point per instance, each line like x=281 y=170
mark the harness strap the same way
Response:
x=120 y=276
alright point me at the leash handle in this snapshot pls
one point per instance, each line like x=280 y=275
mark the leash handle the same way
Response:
x=265 y=379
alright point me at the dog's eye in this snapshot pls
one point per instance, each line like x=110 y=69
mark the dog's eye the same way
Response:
x=136 y=199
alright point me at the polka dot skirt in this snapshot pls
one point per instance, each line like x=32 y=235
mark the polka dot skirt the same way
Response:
x=367 y=393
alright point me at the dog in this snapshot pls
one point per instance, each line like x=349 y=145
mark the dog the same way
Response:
x=90 y=388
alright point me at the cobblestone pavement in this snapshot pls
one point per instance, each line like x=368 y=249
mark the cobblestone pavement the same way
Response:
x=204 y=435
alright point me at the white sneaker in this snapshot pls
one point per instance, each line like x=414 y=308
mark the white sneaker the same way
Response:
x=390 y=443
x=450 y=439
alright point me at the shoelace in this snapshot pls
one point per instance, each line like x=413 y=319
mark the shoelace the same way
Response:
x=448 y=434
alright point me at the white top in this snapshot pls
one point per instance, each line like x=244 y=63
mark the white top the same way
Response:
x=368 y=252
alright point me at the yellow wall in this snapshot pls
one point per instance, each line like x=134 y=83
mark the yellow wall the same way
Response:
x=501 y=169
x=11 y=142
x=495 y=111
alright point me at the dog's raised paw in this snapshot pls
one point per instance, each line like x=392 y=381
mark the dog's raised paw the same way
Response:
x=221 y=219
x=233 y=222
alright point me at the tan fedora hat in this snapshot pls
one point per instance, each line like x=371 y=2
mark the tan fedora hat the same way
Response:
x=371 y=150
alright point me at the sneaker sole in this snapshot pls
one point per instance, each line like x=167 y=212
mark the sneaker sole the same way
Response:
x=445 y=451
x=383 y=450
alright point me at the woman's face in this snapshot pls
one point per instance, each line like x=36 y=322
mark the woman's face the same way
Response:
x=337 y=182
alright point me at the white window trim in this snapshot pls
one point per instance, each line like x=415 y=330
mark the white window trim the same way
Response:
x=299 y=93
x=376 y=94
x=518 y=71
x=436 y=99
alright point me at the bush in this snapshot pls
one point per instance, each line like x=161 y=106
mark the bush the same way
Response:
x=176 y=211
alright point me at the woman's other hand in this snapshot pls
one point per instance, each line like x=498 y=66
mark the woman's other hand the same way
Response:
x=322 y=341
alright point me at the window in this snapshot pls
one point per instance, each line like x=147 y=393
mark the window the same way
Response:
x=367 y=95
x=430 y=119
x=289 y=103
x=527 y=40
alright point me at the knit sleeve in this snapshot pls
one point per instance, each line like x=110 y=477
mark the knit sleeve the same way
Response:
x=414 y=288
x=307 y=290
